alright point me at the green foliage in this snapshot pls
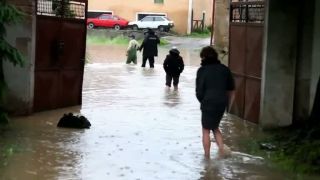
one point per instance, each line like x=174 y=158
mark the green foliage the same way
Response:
x=58 y=8
x=118 y=40
x=7 y=151
x=295 y=150
x=201 y=33
x=164 y=42
x=9 y=15
x=102 y=40
x=3 y=118
x=10 y=53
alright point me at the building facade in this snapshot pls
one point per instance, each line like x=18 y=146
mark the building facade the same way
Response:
x=180 y=11
x=274 y=56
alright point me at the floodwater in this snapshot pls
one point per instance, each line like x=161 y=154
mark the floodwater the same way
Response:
x=140 y=131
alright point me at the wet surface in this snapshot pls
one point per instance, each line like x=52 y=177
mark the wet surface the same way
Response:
x=140 y=130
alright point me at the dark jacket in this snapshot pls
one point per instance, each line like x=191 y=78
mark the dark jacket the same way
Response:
x=173 y=64
x=213 y=82
x=150 y=45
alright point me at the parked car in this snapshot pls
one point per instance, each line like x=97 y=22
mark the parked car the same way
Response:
x=108 y=21
x=154 y=22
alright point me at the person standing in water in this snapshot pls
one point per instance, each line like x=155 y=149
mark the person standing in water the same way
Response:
x=150 y=48
x=173 y=66
x=214 y=90
x=132 y=50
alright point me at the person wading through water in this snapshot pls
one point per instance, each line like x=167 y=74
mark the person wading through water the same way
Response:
x=173 y=66
x=150 y=48
x=132 y=50
x=214 y=90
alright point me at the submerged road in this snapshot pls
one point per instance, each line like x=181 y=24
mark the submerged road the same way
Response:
x=140 y=131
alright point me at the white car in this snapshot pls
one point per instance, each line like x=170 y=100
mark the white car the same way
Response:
x=154 y=22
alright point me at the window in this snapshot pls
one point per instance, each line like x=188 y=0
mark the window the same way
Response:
x=141 y=15
x=158 y=19
x=105 y=17
x=158 y=1
x=147 y=18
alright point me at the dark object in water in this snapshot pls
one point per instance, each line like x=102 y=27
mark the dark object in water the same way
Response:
x=74 y=121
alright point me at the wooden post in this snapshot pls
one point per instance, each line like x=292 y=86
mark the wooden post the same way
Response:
x=212 y=26
x=203 y=20
x=192 y=20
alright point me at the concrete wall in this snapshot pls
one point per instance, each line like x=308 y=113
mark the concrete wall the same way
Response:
x=177 y=10
x=304 y=64
x=279 y=63
x=316 y=52
x=20 y=80
x=291 y=62
x=221 y=24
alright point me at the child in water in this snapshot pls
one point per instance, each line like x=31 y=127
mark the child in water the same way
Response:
x=173 y=65
x=132 y=50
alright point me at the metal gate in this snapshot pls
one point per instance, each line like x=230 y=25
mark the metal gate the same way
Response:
x=245 y=59
x=60 y=53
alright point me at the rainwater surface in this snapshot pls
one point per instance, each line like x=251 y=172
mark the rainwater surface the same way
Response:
x=140 y=131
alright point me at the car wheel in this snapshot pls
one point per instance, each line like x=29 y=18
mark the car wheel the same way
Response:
x=135 y=27
x=161 y=28
x=117 y=27
x=90 y=25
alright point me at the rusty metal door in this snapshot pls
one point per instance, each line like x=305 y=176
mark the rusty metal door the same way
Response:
x=245 y=58
x=60 y=53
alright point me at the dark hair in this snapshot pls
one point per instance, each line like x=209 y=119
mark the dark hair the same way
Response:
x=209 y=52
x=150 y=31
x=174 y=52
x=209 y=56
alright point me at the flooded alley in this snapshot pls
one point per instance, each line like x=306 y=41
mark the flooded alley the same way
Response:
x=140 y=131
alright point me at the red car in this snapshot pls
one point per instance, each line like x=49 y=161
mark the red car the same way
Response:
x=107 y=20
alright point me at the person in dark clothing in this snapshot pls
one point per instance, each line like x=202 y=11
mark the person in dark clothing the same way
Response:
x=150 y=48
x=214 y=90
x=173 y=66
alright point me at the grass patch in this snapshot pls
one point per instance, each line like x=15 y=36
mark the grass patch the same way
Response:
x=198 y=33
x=118 y=40
x=6 y=152
x=163 y=42
x=102 y=40
x=294 y=150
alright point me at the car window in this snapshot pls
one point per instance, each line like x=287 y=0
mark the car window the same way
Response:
x=147 y=18
x=158 y=19
x=166 y=18
x=105 y=17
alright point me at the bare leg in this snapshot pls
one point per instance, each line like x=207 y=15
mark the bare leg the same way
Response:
x=206 y=142
x=218 y=136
